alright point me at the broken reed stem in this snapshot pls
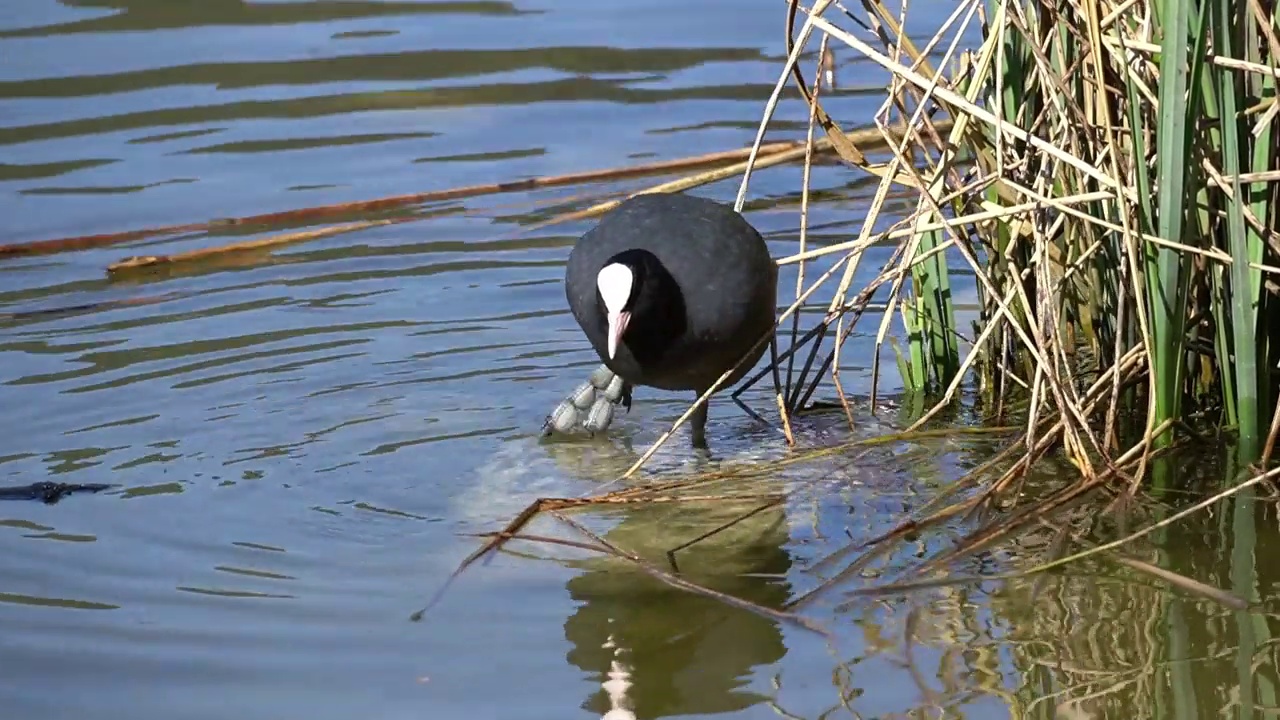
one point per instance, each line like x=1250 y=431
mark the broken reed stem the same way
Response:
x=142 y=262
x=786 y=420
x=682 y=584
x=788 y=152
x=1255 y=480
x=870 y=138
x=770 y=155
x=157 y=262
x=676 y=491
x=42 y=247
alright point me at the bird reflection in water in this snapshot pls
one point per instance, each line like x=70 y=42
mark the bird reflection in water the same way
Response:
x=672 y=652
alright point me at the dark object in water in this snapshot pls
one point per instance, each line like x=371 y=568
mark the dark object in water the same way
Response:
x=55 y=312
x=671 y=290
x=49 y=492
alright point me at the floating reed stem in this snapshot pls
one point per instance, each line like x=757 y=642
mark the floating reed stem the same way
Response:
x=144 y=262
x=772 y=154
x=320 y=212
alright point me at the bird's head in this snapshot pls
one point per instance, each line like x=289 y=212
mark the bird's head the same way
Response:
x=642 y=303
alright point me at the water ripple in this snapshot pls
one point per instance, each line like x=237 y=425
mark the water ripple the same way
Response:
x=296 y=438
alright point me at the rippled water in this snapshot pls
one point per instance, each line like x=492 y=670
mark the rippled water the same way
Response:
x=300 y=439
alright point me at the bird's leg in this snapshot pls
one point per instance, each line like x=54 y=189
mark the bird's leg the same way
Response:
x=590 y=406
x=626 y=394
x=698 y=424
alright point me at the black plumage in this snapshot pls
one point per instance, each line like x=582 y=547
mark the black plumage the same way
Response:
x=703 y=292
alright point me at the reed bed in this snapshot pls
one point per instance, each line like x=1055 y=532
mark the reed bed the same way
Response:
x=1110 y=182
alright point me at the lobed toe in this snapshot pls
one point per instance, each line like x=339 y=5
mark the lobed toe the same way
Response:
x=614 y=390
x=583 y=396
x=600 y=416
x=601 y=377
x=564 y=418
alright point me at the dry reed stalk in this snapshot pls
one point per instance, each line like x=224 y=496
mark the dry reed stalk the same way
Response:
x=682 y=584
x=826 y=68
x=678 y=491
x=772 y=154
x=143 y=262
x=311 y=214
x=786 y=420
x=787 y=152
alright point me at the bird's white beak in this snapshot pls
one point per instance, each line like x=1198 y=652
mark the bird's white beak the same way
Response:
x=617 y=325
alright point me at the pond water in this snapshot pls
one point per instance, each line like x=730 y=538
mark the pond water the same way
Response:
x=301 y=441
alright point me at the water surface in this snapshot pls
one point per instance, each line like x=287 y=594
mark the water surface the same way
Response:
x=301 y=439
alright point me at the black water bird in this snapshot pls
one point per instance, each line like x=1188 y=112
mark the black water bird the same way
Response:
x=671 y=290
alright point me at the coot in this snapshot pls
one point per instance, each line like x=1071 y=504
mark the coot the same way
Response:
x=671 y=290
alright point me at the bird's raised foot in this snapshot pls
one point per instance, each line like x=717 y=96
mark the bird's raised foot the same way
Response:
x=590 y=406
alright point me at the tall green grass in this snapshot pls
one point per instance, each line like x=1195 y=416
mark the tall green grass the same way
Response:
x=1175 y=101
